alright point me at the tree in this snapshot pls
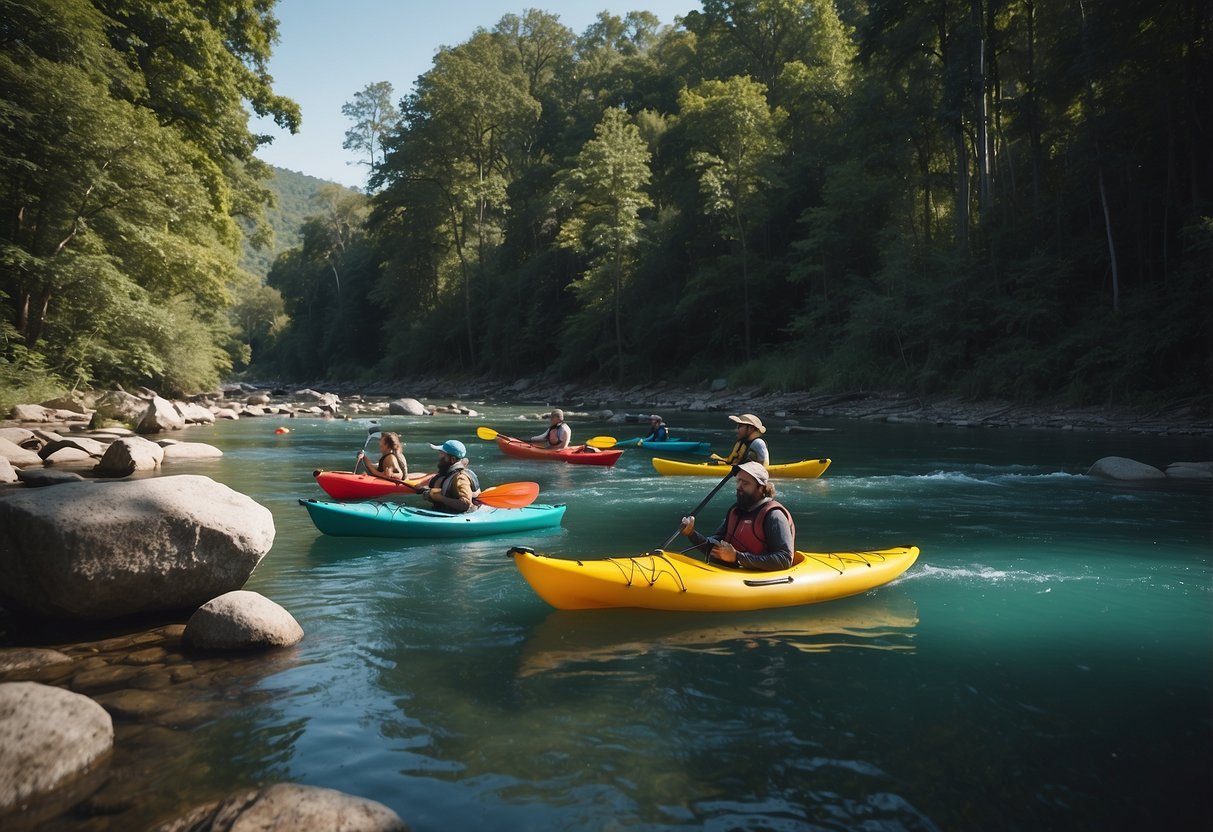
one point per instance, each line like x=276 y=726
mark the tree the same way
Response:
x=607 y=187
x=736 y=136
x=374 y=115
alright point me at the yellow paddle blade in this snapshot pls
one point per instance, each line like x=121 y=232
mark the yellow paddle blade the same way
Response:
x=486 y=433
x=601 y=441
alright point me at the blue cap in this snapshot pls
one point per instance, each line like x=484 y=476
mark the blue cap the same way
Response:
x=452 y=447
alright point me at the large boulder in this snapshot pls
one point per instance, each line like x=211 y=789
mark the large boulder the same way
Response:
x=241 y=620
x=161 y=415
x=1190 y=470
x=129 y=454
x=195 y=414
x=7 y=473
x=407 y=407
x=118 y=406
x=20 y=457
x=50 y=738
x=1122 y=468
x=178 y=451
x=288 y=807
x=100 y=550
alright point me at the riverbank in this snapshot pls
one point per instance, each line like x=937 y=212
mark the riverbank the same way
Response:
x=791 y=410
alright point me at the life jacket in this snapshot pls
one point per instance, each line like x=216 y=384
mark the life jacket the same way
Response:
x=554 y=434
x=399 y=461
x=446 y=482
x=747 y=531
x=738 y=454
x=660 y=433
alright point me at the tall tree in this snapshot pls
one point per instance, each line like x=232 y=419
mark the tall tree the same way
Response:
x=607 y=187
x=737 y=147
x=373 y=114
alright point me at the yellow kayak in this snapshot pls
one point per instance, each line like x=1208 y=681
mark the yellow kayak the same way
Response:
x=674 y=581
x=805 y=469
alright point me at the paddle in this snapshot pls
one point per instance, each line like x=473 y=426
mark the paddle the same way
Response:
x=698 y=508
x=374 y=429
x=510 y=495
x=593 y=442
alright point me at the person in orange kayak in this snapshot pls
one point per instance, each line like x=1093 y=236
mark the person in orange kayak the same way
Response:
x=558 y=435
x=750 y=445
x=758 y=531
x=392 y=464
x=455 y=487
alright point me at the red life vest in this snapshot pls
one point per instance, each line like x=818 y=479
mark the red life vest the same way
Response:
x=746 y=530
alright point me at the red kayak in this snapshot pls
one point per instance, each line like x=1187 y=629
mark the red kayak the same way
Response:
x=575 y=454
x=343 y=485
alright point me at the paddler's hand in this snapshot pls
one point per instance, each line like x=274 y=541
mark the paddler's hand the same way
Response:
x=688 y=526
x=724 y=552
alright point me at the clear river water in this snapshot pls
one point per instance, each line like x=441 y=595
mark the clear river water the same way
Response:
x=1046 y=664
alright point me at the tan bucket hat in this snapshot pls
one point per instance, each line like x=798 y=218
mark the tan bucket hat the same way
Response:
x=755 y=470
x=749 y=419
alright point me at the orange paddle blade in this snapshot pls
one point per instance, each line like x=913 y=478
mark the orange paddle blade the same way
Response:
x=510 y=495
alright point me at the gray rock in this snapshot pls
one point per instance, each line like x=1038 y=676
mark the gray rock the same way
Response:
x=18 y=436
x=29 y=658
x=407 y=407
x=31 y=413
x=190 y=450
x=1190 y=470
x=7 y=473
x=75 y=449
x=41 y=477
x=288 y=807
x=240 y=620
x=47 y=736
x=195 y=414
x=94 y=551
x=120 y=406
x=129 y=454
x=161 y=415
x=19 y=457
x=1122 y=468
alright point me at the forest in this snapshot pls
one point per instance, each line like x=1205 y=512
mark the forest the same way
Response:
x=985 y=198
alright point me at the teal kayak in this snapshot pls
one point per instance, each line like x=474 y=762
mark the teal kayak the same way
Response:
x=667 y=446
x=382 y=519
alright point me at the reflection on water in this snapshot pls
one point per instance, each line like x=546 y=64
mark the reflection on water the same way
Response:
x=571 y=642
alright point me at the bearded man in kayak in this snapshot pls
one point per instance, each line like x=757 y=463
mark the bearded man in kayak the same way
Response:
x=750 y=445
x=658 y=432
x=558 y=435
x=455 y=487
x=757 y=533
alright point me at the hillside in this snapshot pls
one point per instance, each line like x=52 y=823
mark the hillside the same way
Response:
x=295 y=191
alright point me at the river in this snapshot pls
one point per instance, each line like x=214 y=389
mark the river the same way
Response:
x=1046 y=664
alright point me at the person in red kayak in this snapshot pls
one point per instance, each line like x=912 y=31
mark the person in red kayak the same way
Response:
x=757 y=533
x=558 y=435
x=392 y=464
x=455 y=487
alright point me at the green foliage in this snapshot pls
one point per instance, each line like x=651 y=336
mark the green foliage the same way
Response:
x=127 y=159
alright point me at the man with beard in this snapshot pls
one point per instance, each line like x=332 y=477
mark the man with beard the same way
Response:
x=454 y=488
x=757 y=533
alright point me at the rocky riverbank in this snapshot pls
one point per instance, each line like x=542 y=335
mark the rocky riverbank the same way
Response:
x=790 y=410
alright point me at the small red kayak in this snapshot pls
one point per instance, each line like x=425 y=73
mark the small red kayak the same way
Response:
x=344 y=485
x=574 y=454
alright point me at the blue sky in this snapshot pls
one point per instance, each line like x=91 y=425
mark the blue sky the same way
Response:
x=328 y=50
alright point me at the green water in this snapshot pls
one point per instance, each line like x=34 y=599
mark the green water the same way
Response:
x=1048 y=662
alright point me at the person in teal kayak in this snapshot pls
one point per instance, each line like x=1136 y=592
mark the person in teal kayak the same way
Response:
x=750 y=445
x=758 y=531
x=455 y=487
x=558 y=435
x=392 y=464
x=658 y=432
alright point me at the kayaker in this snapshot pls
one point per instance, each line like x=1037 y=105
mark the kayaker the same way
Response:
x=558 y=435
x=455 y=487
x=392 y=464
x=750 y=445
x=758 y=531
x=658 y=432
